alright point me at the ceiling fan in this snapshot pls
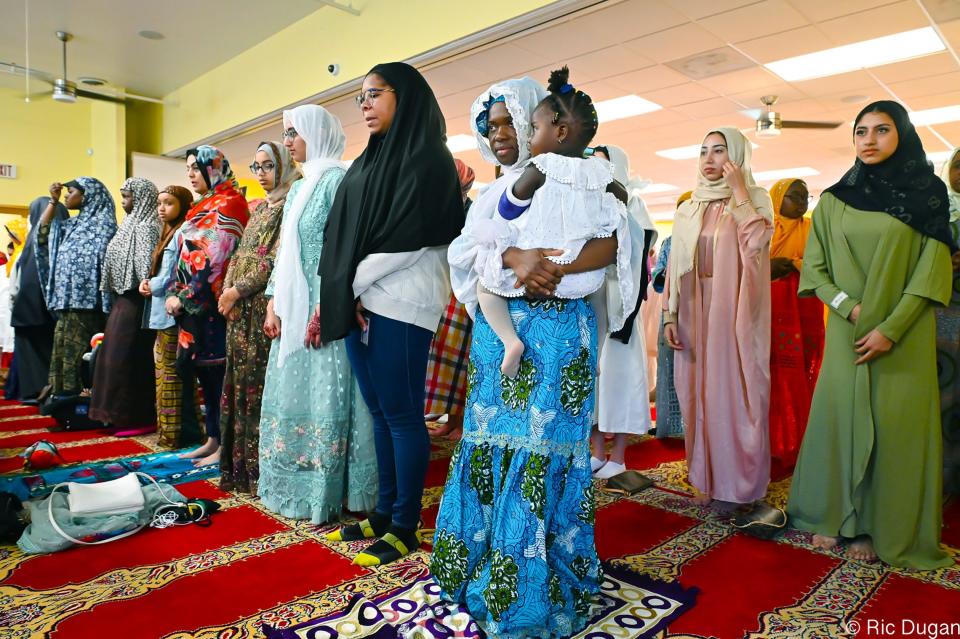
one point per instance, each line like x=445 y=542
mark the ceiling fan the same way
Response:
x=769 y=123
x=67 y=91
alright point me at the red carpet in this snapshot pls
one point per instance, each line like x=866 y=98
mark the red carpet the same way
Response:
x=23 y=441
x=28 y=422
x=251 y=566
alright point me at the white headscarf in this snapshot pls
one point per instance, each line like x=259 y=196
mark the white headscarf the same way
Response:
x=325 y=141
x=521 y=97
x=689 y=217
x=952 y=194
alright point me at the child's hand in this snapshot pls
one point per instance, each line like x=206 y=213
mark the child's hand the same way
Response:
x=145 y=288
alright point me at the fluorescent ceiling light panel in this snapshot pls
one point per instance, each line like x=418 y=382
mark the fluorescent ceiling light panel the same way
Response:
x=659 y=187
x=687 y=152
x=797 y=172
x=939 y=157
x=461 y=142
x=927 y=117
x=625 y=106
x=859 y=55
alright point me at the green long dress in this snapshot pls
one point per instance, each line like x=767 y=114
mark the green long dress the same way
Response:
x=871 y=458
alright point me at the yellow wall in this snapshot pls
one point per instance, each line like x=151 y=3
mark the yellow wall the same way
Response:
x=48 y=142
x=292 y=64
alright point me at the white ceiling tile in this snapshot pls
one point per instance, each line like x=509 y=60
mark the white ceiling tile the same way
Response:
x=786 y=45
x=753 y=79
x=627 y=20
x=697 y=9
x=675 y=43
x=759 y=19
x=882 y=21
x=605 y=63
x=854 y=82
x=711 y=109
x=683 y=94
x=649 y=79
x=566 y=38
x=910 y=90
x=917 y=68
x=820 y=10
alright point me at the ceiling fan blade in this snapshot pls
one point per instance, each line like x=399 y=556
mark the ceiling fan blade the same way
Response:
x=93 y=95
x=801 y=124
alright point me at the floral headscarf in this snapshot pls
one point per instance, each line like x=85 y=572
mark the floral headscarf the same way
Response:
x=213 y=164
x=128 y=254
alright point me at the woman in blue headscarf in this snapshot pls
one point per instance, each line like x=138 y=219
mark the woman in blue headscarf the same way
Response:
x=71 y=285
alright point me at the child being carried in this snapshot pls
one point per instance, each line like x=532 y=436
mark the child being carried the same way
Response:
x=560 y=201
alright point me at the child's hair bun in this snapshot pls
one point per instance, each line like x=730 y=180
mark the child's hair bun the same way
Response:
x=558 y=79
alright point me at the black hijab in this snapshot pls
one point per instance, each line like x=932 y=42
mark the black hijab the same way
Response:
x=904 y=185
x=29 y=307
x=402 y=194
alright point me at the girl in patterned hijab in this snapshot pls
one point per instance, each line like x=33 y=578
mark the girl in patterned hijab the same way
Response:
x=123 y=382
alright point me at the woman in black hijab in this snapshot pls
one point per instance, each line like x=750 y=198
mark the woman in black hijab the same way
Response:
x=32 y=323
x=384 y=287
x=878 y=256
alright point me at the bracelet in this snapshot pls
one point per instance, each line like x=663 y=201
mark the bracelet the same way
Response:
x=739 y=204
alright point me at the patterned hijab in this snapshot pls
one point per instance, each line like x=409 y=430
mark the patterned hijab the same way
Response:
x=903 y=186
x=128 y=255
x=951 y=192
x=286 y=172
x=214 y=166
x=789 y=235
x=467 y=177
x=689 y=217
x=77 y=246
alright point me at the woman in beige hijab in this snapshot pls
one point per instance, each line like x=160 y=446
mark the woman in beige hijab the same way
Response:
x=717 y=319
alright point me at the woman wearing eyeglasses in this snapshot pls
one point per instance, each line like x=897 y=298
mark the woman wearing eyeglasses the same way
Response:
x=384 y=287
x=244 y=306
x=316 y=434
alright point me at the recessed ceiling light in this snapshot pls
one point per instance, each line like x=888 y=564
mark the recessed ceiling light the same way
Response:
x=687 y=152
x=926 y=117
x=859 y=55
x=659 y=187
x=94 y=82
x=625 y=106
x=461 y=142
x=151 y=35
x=780 y=174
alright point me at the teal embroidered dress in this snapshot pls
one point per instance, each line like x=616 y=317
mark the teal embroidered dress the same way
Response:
x=514 y=539
x=316 y=434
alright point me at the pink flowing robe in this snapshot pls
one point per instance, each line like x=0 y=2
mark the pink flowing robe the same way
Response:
x=722 y=375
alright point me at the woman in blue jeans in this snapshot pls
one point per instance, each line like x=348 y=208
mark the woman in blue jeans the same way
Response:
x=384 y=286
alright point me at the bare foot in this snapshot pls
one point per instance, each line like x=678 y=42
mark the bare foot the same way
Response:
x=442 y=430
x=512 y=354
x=861 y=549
x=213 y=458
x=700 y=499
x=208 y=447
x=824 y=542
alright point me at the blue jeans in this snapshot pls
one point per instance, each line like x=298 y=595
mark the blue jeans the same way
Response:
x=391 y=370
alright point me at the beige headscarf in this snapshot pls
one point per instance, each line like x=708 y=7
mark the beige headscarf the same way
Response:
x=689 y=217
x=951 y=193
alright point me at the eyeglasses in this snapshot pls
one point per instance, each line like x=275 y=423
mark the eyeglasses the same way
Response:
x=266 y=167
x=371 y=95
x=289 y=134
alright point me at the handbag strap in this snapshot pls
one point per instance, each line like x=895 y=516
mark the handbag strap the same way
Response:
x=56 y=526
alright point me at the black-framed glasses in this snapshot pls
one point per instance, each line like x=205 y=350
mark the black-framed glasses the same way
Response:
x=266 y=167
x=370 y=95
x=289 y=134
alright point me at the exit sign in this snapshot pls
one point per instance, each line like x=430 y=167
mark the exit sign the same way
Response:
x=8 y=171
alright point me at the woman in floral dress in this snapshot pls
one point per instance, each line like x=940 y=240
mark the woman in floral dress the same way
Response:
x=244 y=305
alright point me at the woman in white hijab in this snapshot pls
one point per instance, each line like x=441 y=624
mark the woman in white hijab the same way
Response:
x=623 y=389
x=717 y=320
x=316 y=435
x=948 y=342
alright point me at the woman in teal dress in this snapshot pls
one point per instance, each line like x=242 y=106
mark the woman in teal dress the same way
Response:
x=316 y=434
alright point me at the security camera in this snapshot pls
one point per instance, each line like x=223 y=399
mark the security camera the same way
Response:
x=333 y=69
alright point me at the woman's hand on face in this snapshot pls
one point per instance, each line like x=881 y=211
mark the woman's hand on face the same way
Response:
x=672 y=336
x=539 y=275
x=145 y=288
x=854 y=314
x=174 y=306
x=312 y=338
x=55 y=190
x=872 y=345
x=734 y=177
x=271 y=324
